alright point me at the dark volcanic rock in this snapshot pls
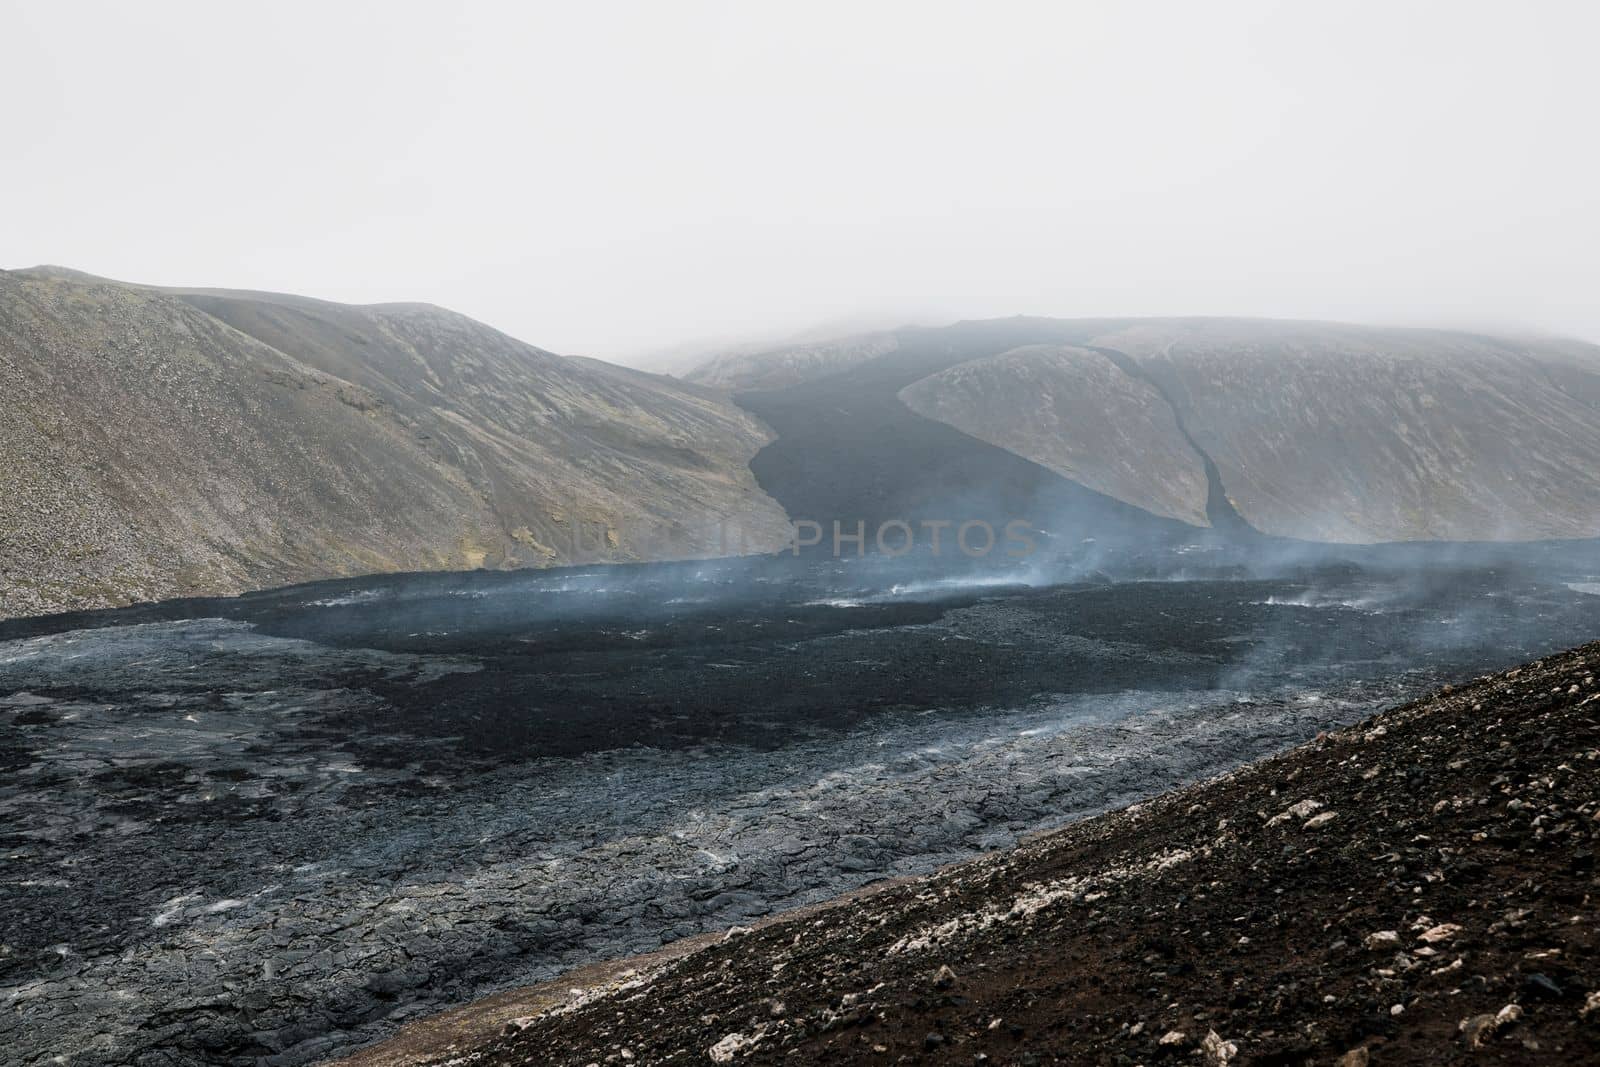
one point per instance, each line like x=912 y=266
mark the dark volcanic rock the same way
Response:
x=225 y=843
x=1399 y=891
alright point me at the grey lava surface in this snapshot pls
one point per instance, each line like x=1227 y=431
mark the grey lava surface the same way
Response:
x=273 y=829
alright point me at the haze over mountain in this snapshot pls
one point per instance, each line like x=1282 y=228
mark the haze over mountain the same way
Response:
x=566 y=484
x=697 y=170
x=1308 y=430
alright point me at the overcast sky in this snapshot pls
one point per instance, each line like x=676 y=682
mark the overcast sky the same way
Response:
x=617 y=179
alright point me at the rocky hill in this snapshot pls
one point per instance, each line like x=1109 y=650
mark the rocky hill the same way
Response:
x=1419 y=888
x=167 y=442
x=1312 y=431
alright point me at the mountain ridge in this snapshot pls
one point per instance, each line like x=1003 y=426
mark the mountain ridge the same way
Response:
x=1309 y=431
x=166 y=441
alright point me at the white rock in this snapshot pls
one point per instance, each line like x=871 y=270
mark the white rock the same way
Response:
x=1442 y=932
x=1218 y=1053
x=1295 y=811
x=729 y=1047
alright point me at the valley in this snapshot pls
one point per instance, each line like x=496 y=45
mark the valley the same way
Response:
x=274 y=828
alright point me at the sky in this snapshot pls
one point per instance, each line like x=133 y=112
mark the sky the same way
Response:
x=629 y=179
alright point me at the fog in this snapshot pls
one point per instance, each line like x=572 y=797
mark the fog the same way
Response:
x=634 y=181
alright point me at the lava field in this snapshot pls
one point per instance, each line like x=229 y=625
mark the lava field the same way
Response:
x=276 y=828
x=1418 y=888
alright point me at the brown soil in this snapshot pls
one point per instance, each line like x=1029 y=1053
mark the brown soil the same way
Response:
x=1419 y=888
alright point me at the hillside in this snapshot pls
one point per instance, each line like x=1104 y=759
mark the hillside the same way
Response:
x=166 y=442
x=1346 y=433
x=1077 y=413
x=169 y=442
x=1417 y=888
x=1303 y=430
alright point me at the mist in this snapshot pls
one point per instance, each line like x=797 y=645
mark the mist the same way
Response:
x=631 y=180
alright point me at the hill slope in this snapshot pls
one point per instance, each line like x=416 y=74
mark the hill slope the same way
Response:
x=1347 y=433
x=158 y=443
x=1418 y=888
x=1077 y=413
x=1313 y=431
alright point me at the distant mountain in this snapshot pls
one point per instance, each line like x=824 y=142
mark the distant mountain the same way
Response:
x=166 y=442
x=774 y=368
x=716 y=360
x=1306 y=430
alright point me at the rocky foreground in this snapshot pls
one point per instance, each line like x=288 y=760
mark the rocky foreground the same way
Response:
x=1418 y=888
